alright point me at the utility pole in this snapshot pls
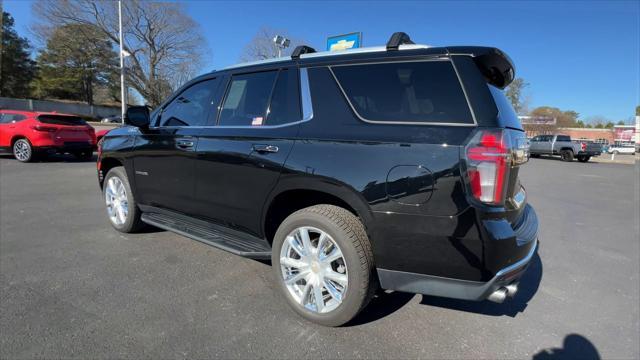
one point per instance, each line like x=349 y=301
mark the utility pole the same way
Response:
x=1 y=47
x=280 y=43
x=123 y=98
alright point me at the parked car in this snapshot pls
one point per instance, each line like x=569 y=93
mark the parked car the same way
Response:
x=26 y=134
x=406 y=180
x=563 y=146
x=112 y=119
x=100 y=134
x=620 y=147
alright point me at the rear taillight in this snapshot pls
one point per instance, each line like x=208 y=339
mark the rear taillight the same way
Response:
x=487 y=162
x=44 y=128
x=583 y=146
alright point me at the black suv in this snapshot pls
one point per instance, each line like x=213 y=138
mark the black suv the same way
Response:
x=393 y=167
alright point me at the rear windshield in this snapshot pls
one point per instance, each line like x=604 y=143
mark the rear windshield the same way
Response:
x=419 y=91
x=61 y=120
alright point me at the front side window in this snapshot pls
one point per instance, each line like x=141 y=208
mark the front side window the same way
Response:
x=247 y=99
x=420 y=92
x=191 y=107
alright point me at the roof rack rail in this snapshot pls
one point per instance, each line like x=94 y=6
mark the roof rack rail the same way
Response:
x=397 y=39
x=301 y=49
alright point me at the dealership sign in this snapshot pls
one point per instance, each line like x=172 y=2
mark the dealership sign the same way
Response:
x=624 y=133
x=344 y=42
x=537 y=120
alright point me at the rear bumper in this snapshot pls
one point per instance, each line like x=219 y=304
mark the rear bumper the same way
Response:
x=589 y=153
x=455 y=288
x=507 y=251
x=67 y=147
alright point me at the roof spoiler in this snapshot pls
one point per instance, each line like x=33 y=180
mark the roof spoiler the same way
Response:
x=496 y=66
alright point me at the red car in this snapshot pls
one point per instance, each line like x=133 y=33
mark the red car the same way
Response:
x=26 y=134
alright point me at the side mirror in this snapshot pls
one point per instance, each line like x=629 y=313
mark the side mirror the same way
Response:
x=137 y=116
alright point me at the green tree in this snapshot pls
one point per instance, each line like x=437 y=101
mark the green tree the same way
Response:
x=580 y=124
x=514 y=93
x=638 y=110
x=17 y=69
x=621 y=122
x=78 y=58
x=608 y=125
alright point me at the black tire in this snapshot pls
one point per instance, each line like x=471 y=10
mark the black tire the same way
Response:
x=83 y=155
x=566 y=155
x=616 y=152
x=349 y=234
x=23 y=151
x=584 y=159
x=535 y=155
x=132 y=222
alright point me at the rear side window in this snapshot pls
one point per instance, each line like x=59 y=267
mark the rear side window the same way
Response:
x=563 y=138
x=192 y=106
x=61 y=120
x=420 y=92
x=247 y=99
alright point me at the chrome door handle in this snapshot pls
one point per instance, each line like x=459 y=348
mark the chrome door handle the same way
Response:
x=185 y=143
x=263 y=148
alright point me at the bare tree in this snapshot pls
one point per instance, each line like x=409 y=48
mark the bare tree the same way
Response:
x=262 y=47
x=165 y=44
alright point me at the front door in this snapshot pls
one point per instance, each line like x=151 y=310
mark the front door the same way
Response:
x=240 y=159
x=164 y=162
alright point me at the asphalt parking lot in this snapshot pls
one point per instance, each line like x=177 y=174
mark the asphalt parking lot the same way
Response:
x=71 y=286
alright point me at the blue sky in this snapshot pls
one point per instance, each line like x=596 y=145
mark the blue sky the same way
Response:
x=578 y=55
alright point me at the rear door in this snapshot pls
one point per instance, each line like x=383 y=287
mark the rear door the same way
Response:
x=241 y=157
x=164 y=158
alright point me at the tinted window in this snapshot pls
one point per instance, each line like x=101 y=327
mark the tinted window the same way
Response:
x=191 y=107
x=247 y=99
x=563 y=138
x=61 y=120
x=285 y=101
x=410 y=91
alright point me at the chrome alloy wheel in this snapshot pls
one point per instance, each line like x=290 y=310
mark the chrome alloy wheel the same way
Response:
x=22 y=150
x=313 y=269
x=115 y=197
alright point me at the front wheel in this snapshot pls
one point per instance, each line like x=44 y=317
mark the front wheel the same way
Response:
x=122 y=210
x=323 y=264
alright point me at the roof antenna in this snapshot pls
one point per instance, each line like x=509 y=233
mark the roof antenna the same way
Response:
x=397 y=39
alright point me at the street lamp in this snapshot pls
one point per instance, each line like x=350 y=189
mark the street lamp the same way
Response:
x=281 y=43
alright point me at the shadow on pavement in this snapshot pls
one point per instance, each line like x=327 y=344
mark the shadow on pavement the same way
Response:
x=511 y=307
x=574 y=346
x=383 y=304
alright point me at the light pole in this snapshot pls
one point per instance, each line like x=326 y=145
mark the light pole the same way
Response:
x=281 y=42
x=123 y=99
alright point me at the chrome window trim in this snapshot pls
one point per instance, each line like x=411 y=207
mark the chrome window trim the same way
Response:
x=306 y=107
x=440 y=58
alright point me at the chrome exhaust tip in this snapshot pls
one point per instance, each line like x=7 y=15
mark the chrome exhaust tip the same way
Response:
x=512 y=289
x=498 y=296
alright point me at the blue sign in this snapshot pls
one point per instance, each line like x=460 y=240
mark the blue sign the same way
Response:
x=344 y=42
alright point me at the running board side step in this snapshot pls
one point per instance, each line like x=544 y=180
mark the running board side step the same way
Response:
x=230 y=240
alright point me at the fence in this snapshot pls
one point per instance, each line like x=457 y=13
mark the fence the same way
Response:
x=57 y=106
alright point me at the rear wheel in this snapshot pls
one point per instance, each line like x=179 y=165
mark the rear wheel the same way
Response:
x=122 y=210
x=566 y=155
x=22 y=150
x=83 y=155
x=584 y=158
x=323 y=264
x=535 y=155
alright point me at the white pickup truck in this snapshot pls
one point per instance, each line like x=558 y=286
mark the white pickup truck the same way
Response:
x=563 y=146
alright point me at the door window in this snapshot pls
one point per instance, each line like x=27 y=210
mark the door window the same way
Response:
x=191 y=107
x=285 y=101
x=9 y=118
x=247 y=99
